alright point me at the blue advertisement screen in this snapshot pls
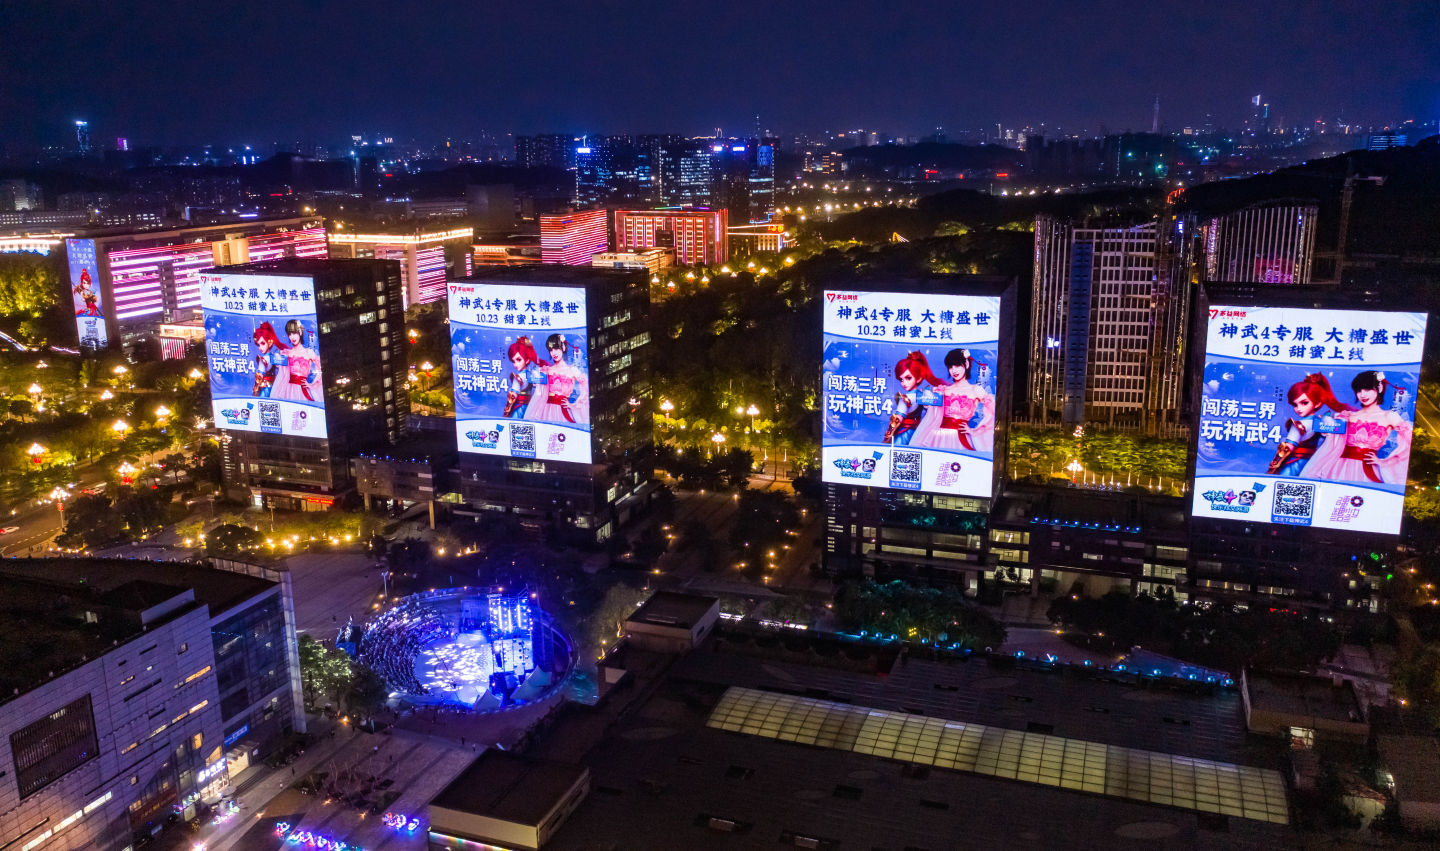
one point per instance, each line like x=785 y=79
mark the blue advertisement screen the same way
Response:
x=261 y=341
x=1307 y=416
x=908 y=391
x=85 y=293
x=520 y=357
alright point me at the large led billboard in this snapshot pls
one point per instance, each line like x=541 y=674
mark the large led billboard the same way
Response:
x=1306 y=416
x=520 y=358
x=85 y=293
x=908 y=391
x=261 y=340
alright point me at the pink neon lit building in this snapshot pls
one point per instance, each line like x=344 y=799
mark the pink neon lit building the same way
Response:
x=698 y=236
x=572 y=239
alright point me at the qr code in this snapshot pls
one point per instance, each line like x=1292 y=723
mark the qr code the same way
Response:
x=1294 y=500
x=522 y=438
x=905 y=466
x=270 y=415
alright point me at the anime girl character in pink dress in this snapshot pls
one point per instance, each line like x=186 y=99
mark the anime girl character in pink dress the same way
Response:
x=961 y=401
x=1302 y=439
x=1355 y=458
x=565 y=397
x=299 y=374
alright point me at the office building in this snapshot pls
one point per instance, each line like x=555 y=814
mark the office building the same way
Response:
x=743 y=178
x=551 y=150
x=19 y=195
x=1106 y=319
x=653 y=261
x=513 y=251
x=288 y=444
x=697 y=236
x=753 y=239
x=134 y=691
x=1384 y=141
x=906 y=493
x=143 y=278
x=426 y=258
x=685 y=172
x=1271 y=243
x=82 y=138
x=571 y=239
x=570 y=458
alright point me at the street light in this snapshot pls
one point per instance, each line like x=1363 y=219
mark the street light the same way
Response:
x=35 y=389
x=120 y=427
x=162 y=412
x=667 y=406
x=753 y=412
x=35 y=451
x=127 y=473
x=1075 y=469
x=58 y=496
x=106 y=395
x=196 y=374
x=718 y=439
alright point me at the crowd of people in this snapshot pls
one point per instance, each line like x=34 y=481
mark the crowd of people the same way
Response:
x=393 y=641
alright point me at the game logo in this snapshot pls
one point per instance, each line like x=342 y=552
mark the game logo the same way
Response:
x=261 y=340
x=1307 y=416
x=85 y=294
x=908 y=391
x=521 y=362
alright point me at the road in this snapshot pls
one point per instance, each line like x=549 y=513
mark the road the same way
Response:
x=39 y=524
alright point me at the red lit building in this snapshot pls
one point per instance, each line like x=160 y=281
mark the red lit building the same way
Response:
x=697 y=236
x=571 y=239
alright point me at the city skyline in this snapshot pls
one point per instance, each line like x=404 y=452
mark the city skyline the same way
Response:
x=805 y=68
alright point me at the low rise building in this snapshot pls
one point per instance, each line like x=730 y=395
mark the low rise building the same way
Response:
x=506 y=801
x=134 y=691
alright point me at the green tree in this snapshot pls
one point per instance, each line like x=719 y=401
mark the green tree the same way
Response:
x=366 y=693
x=607 y=624
x=90 y=522
x=325 y=673
x=232 y=540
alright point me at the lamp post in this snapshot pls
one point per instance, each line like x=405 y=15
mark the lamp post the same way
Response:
x=1075 y=469
x=718 y=439
x=196 y=374
x=59 y=495
x=35 y=451
x=127 y=473
x=120 y=427
x=753 y=412
x=666 y=406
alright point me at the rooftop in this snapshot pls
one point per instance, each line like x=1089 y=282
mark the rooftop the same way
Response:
x=551 y=273
x=1304 y=695
x=665 y=774
x=503 y=786
x=218 y=589
x=671 y=608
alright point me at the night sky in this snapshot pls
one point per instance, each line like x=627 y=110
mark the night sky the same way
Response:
x=165 y=72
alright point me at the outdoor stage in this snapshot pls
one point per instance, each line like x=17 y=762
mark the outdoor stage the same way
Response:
x=469 y=647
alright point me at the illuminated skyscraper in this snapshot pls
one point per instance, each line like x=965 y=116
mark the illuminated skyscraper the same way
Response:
x=82 y=137
x=697 y=236
x=572 y=239
x=1271 y=243
x=426 y=258
x=1106 y=323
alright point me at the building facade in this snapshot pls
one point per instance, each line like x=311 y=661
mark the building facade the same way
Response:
x=1263 y=244
x=426 y=258
x=157 y=684
x=361 y=341
x=697 y=236
x=571 y=239
x=149 y=277
x=571 y=501
x=1109 y=307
